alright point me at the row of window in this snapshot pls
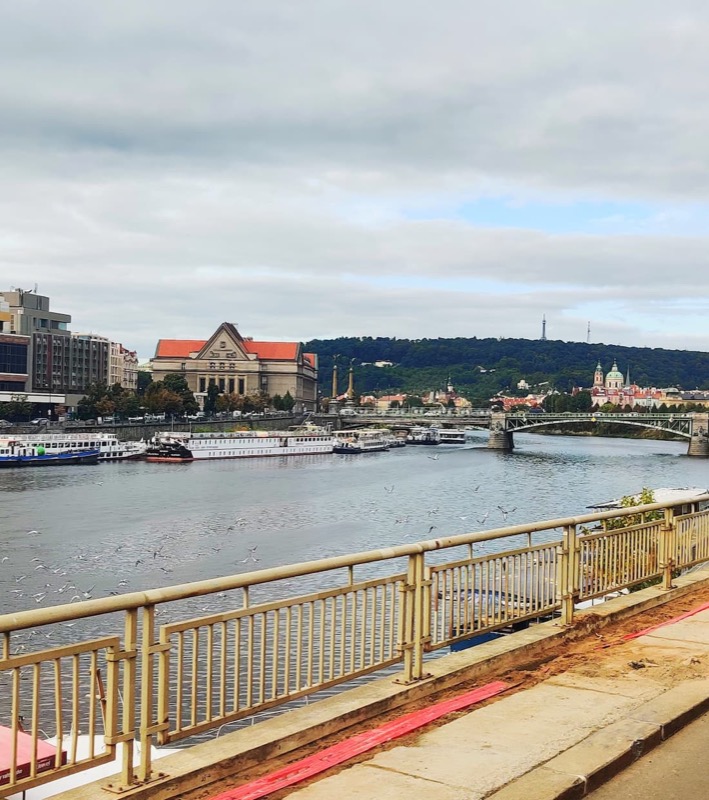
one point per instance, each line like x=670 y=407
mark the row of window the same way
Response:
x=13 y=358
x=229 y=385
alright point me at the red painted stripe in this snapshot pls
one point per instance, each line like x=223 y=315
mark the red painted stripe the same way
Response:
x=337 y=754
x=691 y=613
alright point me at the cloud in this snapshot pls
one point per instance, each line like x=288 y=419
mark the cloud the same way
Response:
x=301 y=169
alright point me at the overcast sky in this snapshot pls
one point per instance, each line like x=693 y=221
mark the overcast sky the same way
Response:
x=324 y=168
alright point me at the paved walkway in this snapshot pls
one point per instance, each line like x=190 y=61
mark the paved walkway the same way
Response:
x=560 y=738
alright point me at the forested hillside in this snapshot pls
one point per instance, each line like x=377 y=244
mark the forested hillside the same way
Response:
x=480 y=367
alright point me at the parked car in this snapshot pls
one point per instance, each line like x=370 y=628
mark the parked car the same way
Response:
x=39 y=421
x=5 y=424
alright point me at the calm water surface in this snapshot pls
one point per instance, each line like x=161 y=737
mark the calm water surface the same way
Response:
x=128 y=526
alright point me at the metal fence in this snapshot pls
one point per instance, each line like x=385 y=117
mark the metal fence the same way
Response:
x=288 y=632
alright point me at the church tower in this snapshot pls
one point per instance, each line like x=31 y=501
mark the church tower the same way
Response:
x=614 y=379
x=598 y=377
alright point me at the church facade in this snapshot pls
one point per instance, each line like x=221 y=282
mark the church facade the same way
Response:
x=613 y=388
x=239 y=365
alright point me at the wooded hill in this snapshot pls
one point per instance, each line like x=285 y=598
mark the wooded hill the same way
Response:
x=478 y=368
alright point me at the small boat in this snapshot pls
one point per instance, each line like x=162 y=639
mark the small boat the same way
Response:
x=453 y=435
x=423 y=435
x=360 y=441
x=686 y=495
x=16 y=453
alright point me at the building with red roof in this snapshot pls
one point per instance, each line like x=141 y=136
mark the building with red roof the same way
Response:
x=239 y=365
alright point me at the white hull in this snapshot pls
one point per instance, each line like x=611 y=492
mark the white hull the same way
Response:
x=110 y=448
x=207 y=447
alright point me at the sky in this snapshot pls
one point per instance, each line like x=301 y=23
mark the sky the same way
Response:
x=324 y=168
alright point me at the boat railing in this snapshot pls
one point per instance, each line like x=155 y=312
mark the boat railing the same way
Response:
x=182 y=661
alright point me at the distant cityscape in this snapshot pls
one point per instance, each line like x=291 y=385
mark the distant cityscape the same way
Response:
x=45 y=364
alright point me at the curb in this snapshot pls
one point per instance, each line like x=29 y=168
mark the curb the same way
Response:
x=589 y=764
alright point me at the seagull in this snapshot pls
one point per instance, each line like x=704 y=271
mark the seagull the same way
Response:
x=430 y=529
x=251 y=556
x=4 y=559
x=481 y=521
x=476 y=488
x=31 y=533
x=505 y=512
x=433 y=458
x=389 y=489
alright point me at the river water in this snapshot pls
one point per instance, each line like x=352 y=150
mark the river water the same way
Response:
x=75 y=532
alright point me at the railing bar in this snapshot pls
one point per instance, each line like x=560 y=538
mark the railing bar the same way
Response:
x=224 y=641
x=209 y=678
x=194 y=686
x=35 y=716
x=249 y=661
x=262 y=657
x=179 y=699
x=332 y=629
x=59 y=722
x=93 y=691
x=237 y=664
x=276 y=653
x=15 y=723
x=287 y=649
x=321 y=659
x=74 y=707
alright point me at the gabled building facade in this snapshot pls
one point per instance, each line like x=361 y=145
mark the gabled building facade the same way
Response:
x=239 y=365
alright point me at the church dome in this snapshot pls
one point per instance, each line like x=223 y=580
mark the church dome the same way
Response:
x=614 y=374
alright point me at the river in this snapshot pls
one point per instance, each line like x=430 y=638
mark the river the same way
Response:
x=75 y=532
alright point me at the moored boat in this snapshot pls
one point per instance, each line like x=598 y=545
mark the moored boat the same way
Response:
x=361 y=441
x=15 y=453
x=452 y=436
x=423 y=435
x=110 y=447
x=172 y=446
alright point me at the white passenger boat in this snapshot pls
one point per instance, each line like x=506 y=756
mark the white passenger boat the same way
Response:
x=181 y=446
x=361 y=441
x=423 y=435
x=108 y=444
x=452 y=436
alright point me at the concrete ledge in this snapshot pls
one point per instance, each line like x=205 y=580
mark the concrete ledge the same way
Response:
x=584 y=767
x=206 y=763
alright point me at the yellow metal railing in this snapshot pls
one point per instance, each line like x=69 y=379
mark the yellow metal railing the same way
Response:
x=172 y=670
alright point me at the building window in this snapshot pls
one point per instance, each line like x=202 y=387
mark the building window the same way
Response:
x=221 y=384
x=203 y=384
x=242 y=386
x=231 y=386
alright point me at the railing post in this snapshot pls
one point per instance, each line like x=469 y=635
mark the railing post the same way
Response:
x=129 y=696
x=668 y=548
x=568 y=578
x=415 y=618
x=146 y=692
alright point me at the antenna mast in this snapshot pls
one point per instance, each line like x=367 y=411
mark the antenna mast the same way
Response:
x=544 y=328
x=588 y=333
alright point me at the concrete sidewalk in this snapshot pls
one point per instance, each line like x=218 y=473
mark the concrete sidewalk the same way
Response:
x=559 y=739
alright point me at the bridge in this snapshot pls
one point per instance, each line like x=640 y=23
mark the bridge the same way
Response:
x=501 y=426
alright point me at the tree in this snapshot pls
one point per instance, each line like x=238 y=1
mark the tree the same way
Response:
x=210 y=401
x=145 y=378
x=288 y=402
x=277 y=402
x=176 y=383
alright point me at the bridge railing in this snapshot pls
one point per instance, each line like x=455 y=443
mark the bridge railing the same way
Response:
x=174 y=667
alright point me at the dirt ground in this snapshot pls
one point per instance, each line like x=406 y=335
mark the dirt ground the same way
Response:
x=600 y=654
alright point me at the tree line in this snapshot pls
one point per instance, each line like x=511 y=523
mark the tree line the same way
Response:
x=479 y=368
